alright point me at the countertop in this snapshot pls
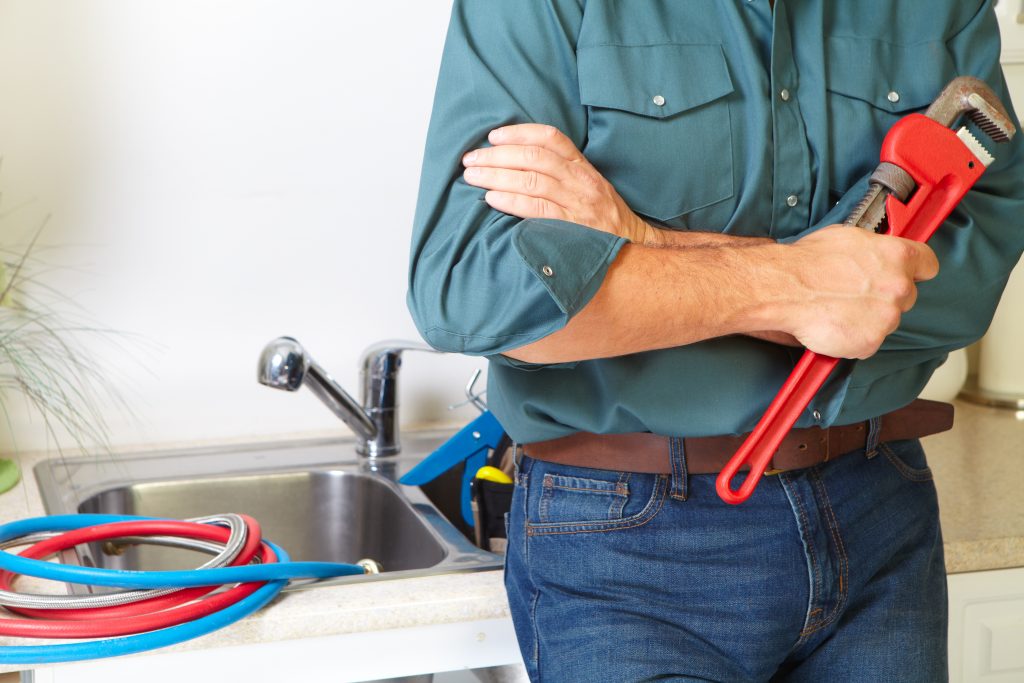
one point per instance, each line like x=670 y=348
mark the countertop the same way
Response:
x=979 y=474
x=977 y=469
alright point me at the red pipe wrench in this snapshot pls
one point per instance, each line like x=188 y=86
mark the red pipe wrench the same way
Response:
x=926 y=169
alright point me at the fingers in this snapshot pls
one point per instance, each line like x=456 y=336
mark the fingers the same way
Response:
x=907 y=301
x=536 y=134
x=524 y=206
x=529 y=183
x=521 y=158
x=925 y=263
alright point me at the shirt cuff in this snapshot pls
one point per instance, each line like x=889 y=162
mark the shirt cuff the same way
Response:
x=569 y=259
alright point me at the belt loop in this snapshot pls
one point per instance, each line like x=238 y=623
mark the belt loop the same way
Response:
x=677 y=457
x=874 y=436
x=517 y=456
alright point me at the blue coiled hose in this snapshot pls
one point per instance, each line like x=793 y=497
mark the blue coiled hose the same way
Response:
x=277 y=575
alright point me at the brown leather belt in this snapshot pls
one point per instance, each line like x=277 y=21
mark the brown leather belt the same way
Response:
x=645 y=452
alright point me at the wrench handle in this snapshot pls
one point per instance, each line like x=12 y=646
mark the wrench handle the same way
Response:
x=944 y=170
x=757 y=451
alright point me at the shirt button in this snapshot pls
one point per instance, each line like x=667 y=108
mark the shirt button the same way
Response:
x=784 y=94
x=894 y=97
x=659 y=100
x=792 y=200
x=817 y=416
x=548 y=270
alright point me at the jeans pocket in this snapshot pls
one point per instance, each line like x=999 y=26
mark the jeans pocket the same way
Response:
x=582 y=498
x=567 y=499
x=908 y=459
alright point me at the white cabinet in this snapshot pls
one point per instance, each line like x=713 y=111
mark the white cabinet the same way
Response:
x=986 y=627
x=1011 y=26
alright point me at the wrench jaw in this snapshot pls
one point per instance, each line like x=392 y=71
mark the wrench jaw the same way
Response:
x=963 y=97
x=972 y=97
x=975 y=147
x=994 y=121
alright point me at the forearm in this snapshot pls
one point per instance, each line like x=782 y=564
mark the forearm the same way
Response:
x=839 y=292
x=654 y=298
x=658 y=236
x=666 y=238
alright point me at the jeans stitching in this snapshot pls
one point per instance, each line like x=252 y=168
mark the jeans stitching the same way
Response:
x=619 y=502
x=542 y=506
x=906 y=471
x=837 y=540
x=677 y=457
x=607 y=492
x=536 y=632
x=815 y=574
x=656 y=501
x=874 y=432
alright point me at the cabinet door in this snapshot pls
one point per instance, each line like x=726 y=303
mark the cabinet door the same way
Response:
x=986 y=627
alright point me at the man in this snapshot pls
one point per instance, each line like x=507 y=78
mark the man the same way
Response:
x=639 y=251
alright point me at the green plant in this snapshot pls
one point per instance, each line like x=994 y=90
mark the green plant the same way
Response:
x=42 y=357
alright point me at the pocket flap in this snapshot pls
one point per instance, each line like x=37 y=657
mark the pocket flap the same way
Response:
x=879 y=72
x=652 y=80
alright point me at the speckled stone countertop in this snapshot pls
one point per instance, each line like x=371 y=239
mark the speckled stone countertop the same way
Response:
x=979 y=472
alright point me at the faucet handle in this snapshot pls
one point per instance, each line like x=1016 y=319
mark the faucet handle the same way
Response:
x=374 y=353
x=379 y=364
x=379 y=374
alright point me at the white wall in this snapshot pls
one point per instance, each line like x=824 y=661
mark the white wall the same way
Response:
x=230 y=171
x=241 y=169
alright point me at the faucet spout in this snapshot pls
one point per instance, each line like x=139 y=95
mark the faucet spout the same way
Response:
x=285 y=365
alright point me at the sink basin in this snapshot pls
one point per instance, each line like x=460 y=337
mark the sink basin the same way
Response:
x=334 y=516
x=317 y=499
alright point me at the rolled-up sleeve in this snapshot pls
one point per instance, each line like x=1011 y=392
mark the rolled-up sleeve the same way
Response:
x=482 y=282
x=977 y=247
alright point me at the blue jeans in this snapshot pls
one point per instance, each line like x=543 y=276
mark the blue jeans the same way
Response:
x=832 y=573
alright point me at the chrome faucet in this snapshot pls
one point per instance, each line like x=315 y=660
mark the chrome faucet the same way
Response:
x=284 y=364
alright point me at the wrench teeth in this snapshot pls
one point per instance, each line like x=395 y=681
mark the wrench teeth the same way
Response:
x=989 y=127
x=870 y=212
x=994 y=123
x=976 y=148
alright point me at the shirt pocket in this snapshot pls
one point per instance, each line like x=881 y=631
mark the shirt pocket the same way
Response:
x=871 y=84
x=659 y=126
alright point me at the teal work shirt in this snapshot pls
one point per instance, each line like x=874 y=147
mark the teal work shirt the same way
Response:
x=711 y=115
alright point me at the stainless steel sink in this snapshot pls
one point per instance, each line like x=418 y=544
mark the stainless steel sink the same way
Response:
x=317 y=499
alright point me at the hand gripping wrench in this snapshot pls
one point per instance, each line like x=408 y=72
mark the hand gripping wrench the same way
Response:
x=926 y=169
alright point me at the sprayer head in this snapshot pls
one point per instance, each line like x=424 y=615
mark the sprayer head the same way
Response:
x=283 y=364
